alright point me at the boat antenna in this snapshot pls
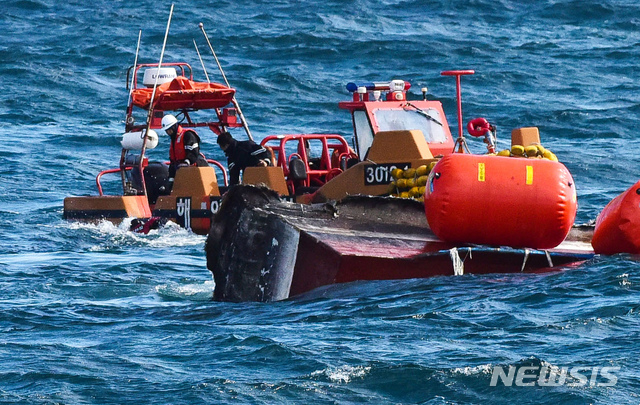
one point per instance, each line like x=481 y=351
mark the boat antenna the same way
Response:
x=153 y=95
x=155 y=84
x=201 y=61
x=129 y=118
x=233 y=100
x=207 y=76
x=135 y=63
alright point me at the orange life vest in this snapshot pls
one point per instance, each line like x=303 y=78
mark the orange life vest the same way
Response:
x=176 y=150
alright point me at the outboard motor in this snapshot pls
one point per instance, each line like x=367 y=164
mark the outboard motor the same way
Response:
x=156 y=178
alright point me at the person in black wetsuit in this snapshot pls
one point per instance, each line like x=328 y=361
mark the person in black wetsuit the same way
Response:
x=242 y=154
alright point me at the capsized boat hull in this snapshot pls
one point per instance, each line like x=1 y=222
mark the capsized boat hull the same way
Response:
x=263 y=249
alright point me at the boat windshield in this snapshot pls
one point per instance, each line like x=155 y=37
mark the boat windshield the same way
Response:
x=364 y=134
x=426 y=120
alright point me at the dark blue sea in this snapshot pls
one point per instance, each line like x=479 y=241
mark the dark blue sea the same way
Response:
x=93 y=314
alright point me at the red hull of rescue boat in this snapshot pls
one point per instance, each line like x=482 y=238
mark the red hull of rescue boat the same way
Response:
x=618 y=225
x=500 y=201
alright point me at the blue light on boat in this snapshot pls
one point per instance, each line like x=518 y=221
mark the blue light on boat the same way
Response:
x=353 y=86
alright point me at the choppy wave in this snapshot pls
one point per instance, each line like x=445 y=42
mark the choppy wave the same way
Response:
x=92 y=313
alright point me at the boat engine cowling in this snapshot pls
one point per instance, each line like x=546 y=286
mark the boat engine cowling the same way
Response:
x=500 y=201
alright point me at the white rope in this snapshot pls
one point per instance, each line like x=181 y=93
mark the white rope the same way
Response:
x=458 y=264
x=524 y=262
x=546 y=252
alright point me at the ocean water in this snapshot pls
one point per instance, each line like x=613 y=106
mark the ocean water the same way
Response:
x=92 y=314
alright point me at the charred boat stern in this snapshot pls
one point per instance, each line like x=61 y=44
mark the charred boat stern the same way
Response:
x=250 y=252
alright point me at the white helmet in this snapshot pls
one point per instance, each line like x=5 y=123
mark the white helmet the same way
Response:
x=168 y=121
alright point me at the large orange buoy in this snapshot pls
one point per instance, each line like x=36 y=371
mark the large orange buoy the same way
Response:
x=618 y=225
x=503 y=201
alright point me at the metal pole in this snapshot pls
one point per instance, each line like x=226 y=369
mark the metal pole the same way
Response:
x=155 y=84
x=122 y=156
x=457 y=73
x=153 y=95
x=234 y=101
x=135 y=63
x=459 y=97
x=208 y=81
x=201 y=61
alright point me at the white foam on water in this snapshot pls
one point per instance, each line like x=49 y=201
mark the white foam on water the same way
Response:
x=343 y=374
x=191 y=291
x=169 y=235
x=624 y=279
x=481 y=369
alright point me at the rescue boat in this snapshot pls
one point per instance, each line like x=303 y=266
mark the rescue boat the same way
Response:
x=148 y=196
x=617 y=228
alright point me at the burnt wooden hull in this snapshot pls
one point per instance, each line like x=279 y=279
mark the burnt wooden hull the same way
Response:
x=260 y=248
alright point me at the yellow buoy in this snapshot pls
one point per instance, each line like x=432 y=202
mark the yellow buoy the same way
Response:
x=404 y=194
x=422 y=170
x=504 y=152
x=409 y=173
x=392 y=188
x=401 y=183
x=517 y=150
x=431 y=165
x=550 y=155
x=531 y=150
x=422 y=180
x=411 y=183
x=396 y=173
x=414 y=192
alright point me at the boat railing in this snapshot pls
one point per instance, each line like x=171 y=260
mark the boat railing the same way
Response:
x=296 y=146
x=99 y=176
x=219 y=165
x=222 y=169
